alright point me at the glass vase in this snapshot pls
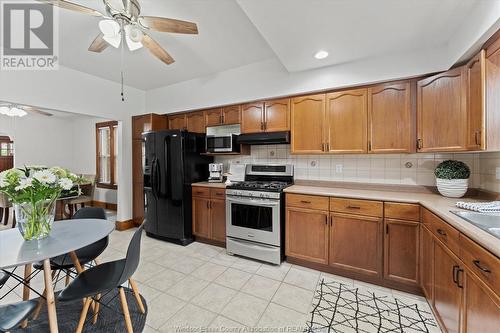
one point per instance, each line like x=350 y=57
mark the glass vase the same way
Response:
x=34 y=220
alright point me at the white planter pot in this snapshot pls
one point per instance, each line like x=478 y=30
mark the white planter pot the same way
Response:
x=452 y=188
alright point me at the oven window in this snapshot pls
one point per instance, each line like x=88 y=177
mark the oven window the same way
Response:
x=253 y=217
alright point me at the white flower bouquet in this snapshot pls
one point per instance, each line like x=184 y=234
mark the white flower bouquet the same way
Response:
x=34 y=191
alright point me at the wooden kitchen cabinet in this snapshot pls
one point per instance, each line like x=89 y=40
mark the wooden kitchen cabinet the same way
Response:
x=268 y=116
x=442 y=111
x=231 y=114
x=307 y=124
x=213 y=117
x=209 y=214
x=227 y=115
x=476 y=100
x=195 y=122
x=356 y=243
x=401 y=245
x=391 y=121
x=201 y=217
x=277 y=115
x=218 y=219
x=448 y=284
x=346 y=118
x=307 y=233
x=427 y=263
x=492 y=96
x=252 y=118
x=177 y=122
x=481 y=306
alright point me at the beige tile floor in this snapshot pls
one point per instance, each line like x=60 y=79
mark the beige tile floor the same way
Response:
x=201 y=287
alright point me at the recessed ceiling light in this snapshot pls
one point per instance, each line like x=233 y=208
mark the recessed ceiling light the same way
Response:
x=321 y=54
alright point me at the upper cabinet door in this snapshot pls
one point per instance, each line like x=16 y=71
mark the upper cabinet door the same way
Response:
x=307 y=121
x=213 y=117
x=476 y=81
x=252 y=118
x=277 y=115
x=231 y=114
x=346 y=114
x=195 y=122
x=492 y=95
x=177 y=122
x=390 y=119
x=442 y=111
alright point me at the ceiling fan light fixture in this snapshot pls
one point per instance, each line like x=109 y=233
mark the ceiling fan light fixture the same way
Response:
x=12 y=111
x=133 y=36
x=109 y=27
x=113 y=40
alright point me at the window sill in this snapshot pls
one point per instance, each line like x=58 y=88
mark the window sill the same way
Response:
x=108 y=186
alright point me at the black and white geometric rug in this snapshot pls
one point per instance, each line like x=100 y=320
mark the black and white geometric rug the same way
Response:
x=341 y=308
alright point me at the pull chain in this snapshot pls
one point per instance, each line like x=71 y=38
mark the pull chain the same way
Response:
x=121 y=61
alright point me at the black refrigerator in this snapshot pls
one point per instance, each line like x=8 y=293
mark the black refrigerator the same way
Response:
x=171 y=163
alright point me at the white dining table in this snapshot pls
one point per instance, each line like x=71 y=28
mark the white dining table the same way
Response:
x=66 y=236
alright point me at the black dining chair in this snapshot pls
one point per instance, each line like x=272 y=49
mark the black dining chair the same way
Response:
x=12 y=315
x=106 y=277
x=85 y=255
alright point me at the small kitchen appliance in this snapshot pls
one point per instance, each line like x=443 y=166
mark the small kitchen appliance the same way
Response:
x=255 y=212
x=215 y=173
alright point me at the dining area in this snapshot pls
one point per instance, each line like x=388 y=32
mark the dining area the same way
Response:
x=53 y=277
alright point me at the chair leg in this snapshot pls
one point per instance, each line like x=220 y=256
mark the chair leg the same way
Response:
x=126 y=313
x=137 y=295
x=1 y=216
x=13 y=220
x=41 y=301
x=67 y=280
x=83 y=315
x=26 y=290
x=96 y=308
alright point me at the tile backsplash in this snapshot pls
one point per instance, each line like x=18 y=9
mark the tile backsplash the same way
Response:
x=408 y=169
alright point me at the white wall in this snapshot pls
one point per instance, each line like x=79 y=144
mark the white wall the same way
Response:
x=68 y=142
x=74 y=91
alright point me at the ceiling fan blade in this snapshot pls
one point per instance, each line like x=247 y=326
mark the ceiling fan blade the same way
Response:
x=35 y=110
x=72 y=6
x=156 y=49
x=164 y=24
x=99 y=44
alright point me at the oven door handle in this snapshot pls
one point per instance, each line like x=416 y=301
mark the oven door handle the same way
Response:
x=268 y=203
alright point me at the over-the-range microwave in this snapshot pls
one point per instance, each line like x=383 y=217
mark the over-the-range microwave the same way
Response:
x=222 y=143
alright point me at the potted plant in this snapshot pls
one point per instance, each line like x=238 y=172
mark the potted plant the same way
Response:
x=34 y=191
x=452 y=178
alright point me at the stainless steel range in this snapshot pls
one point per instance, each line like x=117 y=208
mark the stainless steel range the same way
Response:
x=255 y=212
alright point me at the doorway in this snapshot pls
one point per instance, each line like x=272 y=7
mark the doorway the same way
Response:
x=6 y=153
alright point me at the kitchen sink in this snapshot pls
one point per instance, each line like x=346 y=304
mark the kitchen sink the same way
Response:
x=487 y=222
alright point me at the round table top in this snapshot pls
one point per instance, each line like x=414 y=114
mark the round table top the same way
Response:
x=66 y=236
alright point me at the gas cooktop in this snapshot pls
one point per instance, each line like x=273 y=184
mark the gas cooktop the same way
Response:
x=268 y=186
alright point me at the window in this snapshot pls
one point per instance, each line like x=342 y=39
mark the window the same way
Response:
x=106 y=159
x=6 y=146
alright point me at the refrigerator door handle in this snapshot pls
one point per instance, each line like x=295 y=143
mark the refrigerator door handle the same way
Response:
x=153 y=177
x=167 y=166
x=157 y=178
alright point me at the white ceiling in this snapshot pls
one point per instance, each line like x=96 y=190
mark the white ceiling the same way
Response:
x=352 y=30
x=226 y=39
x=236 y=33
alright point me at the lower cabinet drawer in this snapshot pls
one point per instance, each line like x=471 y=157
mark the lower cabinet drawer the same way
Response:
x=481 y=262
x=307 y=201
x=359 y=207
x=402 y=211
x=199 y=191
x=218 y=193
x=442 y=230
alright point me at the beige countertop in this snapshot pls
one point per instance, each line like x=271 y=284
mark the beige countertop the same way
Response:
x=207 y=184
x=439 y=205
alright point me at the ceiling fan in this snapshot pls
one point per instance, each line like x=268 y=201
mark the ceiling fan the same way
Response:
x=123 y=21
x=17 y=110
